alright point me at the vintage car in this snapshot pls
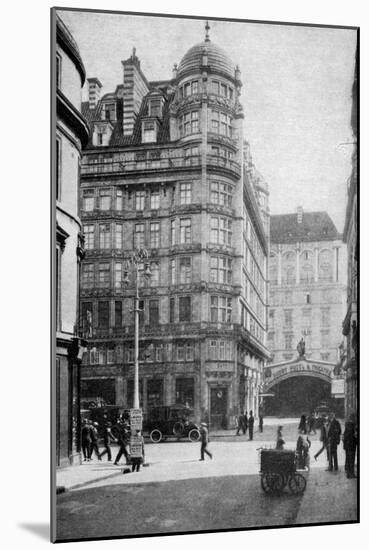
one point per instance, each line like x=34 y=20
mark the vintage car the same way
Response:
x=170 y=421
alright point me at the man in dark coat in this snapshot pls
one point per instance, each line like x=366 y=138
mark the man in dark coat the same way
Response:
x=246 y=422
x=94 y=440
x=123 y=439
x=251 y=426
x=204 y=435
x=241 y=424
x=349 y=444
x=261 y=423
x=86 y=440
x=108 y=437
x=334 y=438
x=323 y=438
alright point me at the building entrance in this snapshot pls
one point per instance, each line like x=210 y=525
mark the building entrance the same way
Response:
x=296 y=396
x=218 y=407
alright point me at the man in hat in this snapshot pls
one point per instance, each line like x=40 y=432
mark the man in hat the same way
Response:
x=204 y=437
x=123 y=439
x=108 y=437
x=94 y=440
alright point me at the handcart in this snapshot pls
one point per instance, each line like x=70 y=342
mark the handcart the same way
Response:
x=278 y=469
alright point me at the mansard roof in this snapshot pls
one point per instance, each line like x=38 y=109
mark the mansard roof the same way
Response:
x=314 y=227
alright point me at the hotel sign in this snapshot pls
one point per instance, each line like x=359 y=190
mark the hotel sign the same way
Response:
x=300 y=368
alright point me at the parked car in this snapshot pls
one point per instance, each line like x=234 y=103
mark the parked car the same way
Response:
x=174 y=420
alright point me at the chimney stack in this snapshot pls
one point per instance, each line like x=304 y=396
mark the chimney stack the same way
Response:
x=94 y=92
x=299 y=214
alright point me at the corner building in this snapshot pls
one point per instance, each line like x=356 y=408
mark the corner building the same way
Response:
x=168 y=169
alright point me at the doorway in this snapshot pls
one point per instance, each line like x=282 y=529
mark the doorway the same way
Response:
x=218 y=407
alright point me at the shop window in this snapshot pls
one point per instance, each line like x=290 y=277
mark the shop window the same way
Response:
x=185 y=391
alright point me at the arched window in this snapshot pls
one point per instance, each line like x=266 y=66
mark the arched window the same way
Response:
x=325 y=265
x=289 y=268
x=306 y=267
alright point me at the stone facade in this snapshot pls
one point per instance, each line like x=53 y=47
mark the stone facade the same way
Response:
x=168 y=169
x=70 y=135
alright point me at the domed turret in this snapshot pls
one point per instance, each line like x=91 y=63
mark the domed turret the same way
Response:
x=216 y=59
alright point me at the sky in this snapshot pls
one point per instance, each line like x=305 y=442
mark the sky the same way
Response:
x=296 y=94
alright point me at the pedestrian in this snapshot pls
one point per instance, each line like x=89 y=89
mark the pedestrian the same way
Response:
x=280 y=441
x=311 y=424
x=323 y=438
x=86 y=440
x=108 y=437
x=246 y=422
x=334 y=438
x=136 y=461
x=123 y=439
x=251 y=426
x=302 y=425
x=349 y=445
x=302 y=451
x=240 y=424
x=94 y=440
x=204 y=436
x=261 y=423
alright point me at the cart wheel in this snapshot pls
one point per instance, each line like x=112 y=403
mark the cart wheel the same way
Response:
x=194 y=435
x=272 y=482
x=156 y=436
x=297 y=484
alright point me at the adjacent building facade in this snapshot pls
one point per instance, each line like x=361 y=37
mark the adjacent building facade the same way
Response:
x=307 y=298
x=350 y=236
x=168 y=169
x=71 y=135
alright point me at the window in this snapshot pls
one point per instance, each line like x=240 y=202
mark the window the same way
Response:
x=221 y=193
x=87 y=275
x=220 y=350
x=171 y=310
x=100 y=138
x=173 y=232
x=155 y=200
x=223 y=90
x=172 y=272
x=215 y=87
x=288 y=338
x=325 y=314
x=287 y=318
x=187 y=89
x=148 y=131
x=185 y=270
x=185 y=193
x=189 y=123
x=118 y=235
x=118 y=313
x=104 y=275
x=185 y=391
x=325 y=266
x=155 y=107
x=184 y=309
x=185 y=231
x=271 y=337
x=221 y=123
x=154 y=268
x=89 y=234
x=213 y=354
x=221 y=230
x=118 y=275
x=88 y=200
x=155 y=392
x=215 y=122
x=307 y=298
x=180 y=352
x=103 y=314
x=153 y=312
x=220 y=270
x=86 y=318
x=58 y=70
x=287 y=297
x=324 y=335
x=140 y=200
x=105 y=199
x=105 y=235
x=307 y=273
x=110 y=356
x=119 y=200
x=139 y=237
x=220 y=309
x=154 y=235
x=195 y=86
x=324 y=356
x=58 y=169
x=109 y=109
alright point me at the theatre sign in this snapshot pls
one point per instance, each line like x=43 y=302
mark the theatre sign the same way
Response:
x=301 y=367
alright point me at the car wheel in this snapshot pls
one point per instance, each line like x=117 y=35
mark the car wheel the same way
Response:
x=178 y=429
x=194 y=435
x=156 y=436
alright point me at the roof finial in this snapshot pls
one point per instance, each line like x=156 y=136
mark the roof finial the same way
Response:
x=207 y=29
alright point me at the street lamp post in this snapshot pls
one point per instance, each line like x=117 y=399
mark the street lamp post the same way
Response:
x=138 y=260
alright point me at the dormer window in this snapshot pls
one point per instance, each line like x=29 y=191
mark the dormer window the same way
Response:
x=149 y=131
x=110 y=111
x=102 y=133
x=155 y=108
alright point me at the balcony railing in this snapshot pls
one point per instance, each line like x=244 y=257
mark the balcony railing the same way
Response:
x=182 y=161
